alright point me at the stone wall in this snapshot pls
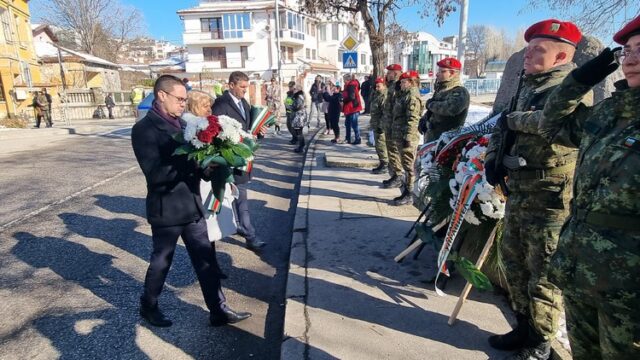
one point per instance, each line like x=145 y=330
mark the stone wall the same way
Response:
x=588 y=47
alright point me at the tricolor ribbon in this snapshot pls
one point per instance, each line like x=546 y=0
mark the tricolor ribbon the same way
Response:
x=465 y=198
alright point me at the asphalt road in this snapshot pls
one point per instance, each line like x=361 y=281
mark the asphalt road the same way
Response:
x=74 y=246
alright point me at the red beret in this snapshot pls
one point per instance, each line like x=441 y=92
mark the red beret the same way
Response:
x=450 y=63
x=564 y=31
x=632 y=28
x=394 y=67
x=411 y=74
x=380 y=80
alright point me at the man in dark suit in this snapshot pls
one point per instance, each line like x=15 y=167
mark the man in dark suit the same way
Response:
x=233 y=104
x=174 y=205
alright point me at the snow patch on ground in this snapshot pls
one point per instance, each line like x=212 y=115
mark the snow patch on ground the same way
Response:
x=476 y=113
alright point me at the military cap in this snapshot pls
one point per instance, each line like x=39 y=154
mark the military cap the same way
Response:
x=629 y=30
x=450 y=63
x=380 y=80
x=411 y=74
x=564 y=31
x=394 y=67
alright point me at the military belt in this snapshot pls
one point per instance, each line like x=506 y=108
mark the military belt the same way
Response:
x=540 y=174
x=627 y=223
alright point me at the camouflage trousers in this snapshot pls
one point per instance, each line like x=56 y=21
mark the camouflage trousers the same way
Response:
x=603 y=330
x=393 y=153
x=530 y=238
x=380 y=139
x=407 y=161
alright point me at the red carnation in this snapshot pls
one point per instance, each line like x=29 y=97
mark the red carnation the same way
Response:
x=206 y=136
x=214 y=125
x=483 y=141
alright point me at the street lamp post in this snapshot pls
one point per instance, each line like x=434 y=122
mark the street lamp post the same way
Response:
x=462 y=42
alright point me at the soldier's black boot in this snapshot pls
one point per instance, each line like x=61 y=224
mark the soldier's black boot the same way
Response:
x=385 y=182
x=380 y=169
x=404 y=199
x=515 y=339
x=394 y=182
x=535 y=348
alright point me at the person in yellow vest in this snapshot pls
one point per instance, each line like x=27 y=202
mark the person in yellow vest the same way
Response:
x=136 y=98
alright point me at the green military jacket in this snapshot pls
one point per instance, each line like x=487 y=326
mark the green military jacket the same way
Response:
x=529 y=144
x=407 y=109
x=387 y=117
x=378 y=103
x=448 y=107
x=599 y=251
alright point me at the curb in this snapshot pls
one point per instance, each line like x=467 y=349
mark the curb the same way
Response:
x=295 y=340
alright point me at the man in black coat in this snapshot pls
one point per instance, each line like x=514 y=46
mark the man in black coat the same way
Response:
x=233 y=104
x=365 y=91
x=174 y=205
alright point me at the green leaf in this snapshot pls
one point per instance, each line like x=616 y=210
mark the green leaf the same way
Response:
x=219 y=178
x=474 y=276
x=216 y=159
x=242 y=150
x=182 y=150
x=228 y=155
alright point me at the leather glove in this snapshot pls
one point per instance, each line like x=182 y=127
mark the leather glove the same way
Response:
x=406 y=144
x=597 y=69
x=490 y=171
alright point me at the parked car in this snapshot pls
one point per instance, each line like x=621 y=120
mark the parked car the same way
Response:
x=144 y=106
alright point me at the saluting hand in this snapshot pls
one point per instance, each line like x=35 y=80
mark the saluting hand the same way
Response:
x=597 y=69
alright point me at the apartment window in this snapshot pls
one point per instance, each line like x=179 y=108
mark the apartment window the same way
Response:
x=6 y=25
x=212 y=25
x=287 y=54
x=308 y=53
x=313 y=54
x=216 y=54
x=26 y=73
x=371 y=60
x=363 y=59
x=313 y=29
x=244 y=55
x=294 y=23
x=340 y=55
x=334 y=32
x=235 y=24
x=322 y=32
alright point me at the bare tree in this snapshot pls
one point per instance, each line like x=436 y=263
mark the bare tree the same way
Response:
x=378 y=16
x=593 y=16
x=101 y=26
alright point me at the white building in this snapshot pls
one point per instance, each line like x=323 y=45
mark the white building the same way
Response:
x=222 y=36
x=423 y=53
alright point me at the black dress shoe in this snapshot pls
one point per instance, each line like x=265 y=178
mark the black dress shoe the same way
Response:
x=227 y=316
x=154 y=316
x=255 y=244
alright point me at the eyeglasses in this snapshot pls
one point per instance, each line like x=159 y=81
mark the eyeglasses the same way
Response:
x=181 y=100
x=623 y=54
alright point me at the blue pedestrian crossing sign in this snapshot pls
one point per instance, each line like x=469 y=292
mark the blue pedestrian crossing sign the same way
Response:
x=350 y=60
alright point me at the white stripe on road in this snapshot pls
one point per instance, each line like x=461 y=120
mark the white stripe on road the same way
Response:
x=65 y=199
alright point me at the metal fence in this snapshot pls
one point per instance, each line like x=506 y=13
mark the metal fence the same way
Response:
x=482 y=86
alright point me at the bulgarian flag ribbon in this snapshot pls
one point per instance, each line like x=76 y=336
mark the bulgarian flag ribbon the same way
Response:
x=212 y=204
x=261 y=116
x=465 y=198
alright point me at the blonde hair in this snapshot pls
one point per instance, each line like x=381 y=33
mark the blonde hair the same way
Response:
x=199 y=103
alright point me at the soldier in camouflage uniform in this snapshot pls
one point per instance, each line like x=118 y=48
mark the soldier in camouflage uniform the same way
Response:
x=395 y=167
x=378 y=102
x=448 y=107
x=597 y=262
x=407 y=109
x=539 y=178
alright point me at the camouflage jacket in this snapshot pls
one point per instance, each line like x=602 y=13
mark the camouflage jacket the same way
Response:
x=378 y=103
x=449 y=106
x=529 y=145
x=387 y=117
x=599 y=253
x=407 y=109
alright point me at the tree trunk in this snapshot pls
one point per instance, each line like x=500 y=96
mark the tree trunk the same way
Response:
x=379 y=59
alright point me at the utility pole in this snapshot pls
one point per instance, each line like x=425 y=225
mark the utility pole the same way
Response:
x=278 y=43
x=462 y=41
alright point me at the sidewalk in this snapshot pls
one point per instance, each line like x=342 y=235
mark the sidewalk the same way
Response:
x=14 y=140
x=347 y=298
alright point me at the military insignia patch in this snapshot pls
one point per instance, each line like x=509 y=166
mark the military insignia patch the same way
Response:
x=555 y=27
x=632 y=143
